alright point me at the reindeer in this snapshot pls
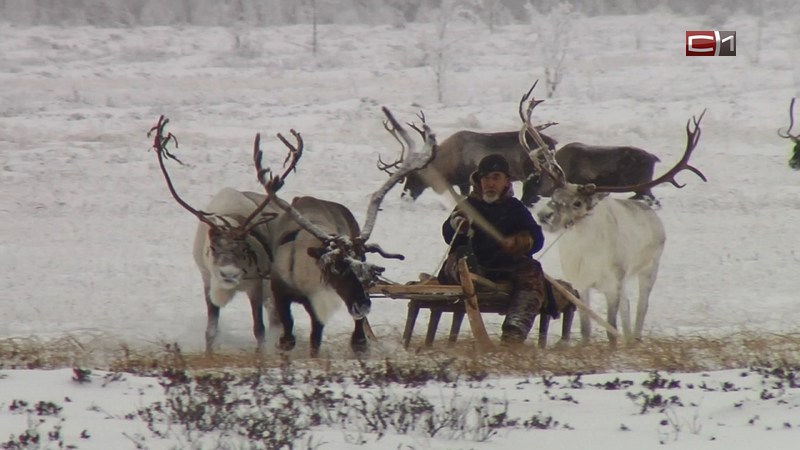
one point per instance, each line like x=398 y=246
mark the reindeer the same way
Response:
x=457 y=157
x=231 y=246
x=320 y=251
x=794 y=161
x=608 y=241
x=598 y=164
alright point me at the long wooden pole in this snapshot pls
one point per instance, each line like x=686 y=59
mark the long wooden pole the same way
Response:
x=471 y=307
x=581 y=305
x=434 y=178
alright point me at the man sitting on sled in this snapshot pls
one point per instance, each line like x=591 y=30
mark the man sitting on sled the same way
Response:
x=508 y=258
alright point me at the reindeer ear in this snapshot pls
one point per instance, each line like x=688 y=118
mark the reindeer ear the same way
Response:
x=596 y=198
x=213 y=233
x=587 y=189
x=315 y=252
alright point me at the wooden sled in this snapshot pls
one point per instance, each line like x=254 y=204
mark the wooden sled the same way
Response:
x=440 y=298
x=474 y=296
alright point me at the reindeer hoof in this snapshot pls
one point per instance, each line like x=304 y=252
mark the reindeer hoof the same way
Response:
x=359 y=345
x=563 y=343
x=287 y=343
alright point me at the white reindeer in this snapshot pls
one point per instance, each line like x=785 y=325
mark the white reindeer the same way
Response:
x=231 y=247
x=608 y=241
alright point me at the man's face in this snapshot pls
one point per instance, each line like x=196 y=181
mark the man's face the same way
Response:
x=493 y=184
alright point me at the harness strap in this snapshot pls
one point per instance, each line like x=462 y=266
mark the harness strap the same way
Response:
x=288 y=237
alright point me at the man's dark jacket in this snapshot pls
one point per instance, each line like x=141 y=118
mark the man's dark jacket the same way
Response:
x=509 y=216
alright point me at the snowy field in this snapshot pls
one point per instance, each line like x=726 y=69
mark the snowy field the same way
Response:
x=93 y=247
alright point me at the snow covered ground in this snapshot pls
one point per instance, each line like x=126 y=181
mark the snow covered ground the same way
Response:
x=93 y=247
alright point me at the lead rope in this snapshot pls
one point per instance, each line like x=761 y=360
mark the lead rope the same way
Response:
x=446 y=254
x=552 y=243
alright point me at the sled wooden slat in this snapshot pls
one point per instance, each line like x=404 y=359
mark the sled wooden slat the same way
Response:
x=471 y=305
x=403 y=290
x=489 y=297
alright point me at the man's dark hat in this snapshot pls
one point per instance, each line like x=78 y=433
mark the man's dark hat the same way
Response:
x=493 y=163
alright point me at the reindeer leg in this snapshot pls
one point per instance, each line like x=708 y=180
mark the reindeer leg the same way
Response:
x=586 y=321
x=275 y=327
x=358 y=340
x=212 y=326
x=646 y=281
x=544 y=325
x=256 y=296
x=612 y=303
x=624 y=311
x=315 y=340
x=567 y=317
x=283 y=304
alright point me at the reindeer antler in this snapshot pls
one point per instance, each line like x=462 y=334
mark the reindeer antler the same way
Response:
x=384 y=167
x=795 y=137
x=390 y=127
x=411 y=161
x=160 y=142
x=273 y=183
x=692 y=138
x=550 y=167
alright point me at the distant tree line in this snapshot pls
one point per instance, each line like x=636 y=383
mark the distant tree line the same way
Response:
x=116 y=13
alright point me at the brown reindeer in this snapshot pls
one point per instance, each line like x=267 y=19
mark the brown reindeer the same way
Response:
x=320 y=251
x=457 y=157
x=794 y=161
x=601 y=165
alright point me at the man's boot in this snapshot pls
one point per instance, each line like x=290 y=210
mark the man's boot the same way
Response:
x=525 y=303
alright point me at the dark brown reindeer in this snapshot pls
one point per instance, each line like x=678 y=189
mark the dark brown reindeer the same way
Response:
x=320 y=251
x=601 y=165
x=580 y=163
x=231 y=245
x=794 y=161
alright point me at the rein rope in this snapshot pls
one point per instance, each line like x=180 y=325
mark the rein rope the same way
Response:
x=544 y=252
x=446 y=254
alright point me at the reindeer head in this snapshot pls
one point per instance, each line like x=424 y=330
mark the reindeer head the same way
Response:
x=794 y=161
x=231 y=255
x=345 y=255
x=228 y=250
x=570 y=203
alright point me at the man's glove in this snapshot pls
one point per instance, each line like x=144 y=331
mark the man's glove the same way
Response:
x=517 y=245
x=459 y=223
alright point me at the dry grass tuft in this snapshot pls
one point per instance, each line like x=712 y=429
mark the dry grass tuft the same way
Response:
x=673 y=354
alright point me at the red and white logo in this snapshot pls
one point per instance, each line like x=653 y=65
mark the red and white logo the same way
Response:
x=711 y=43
